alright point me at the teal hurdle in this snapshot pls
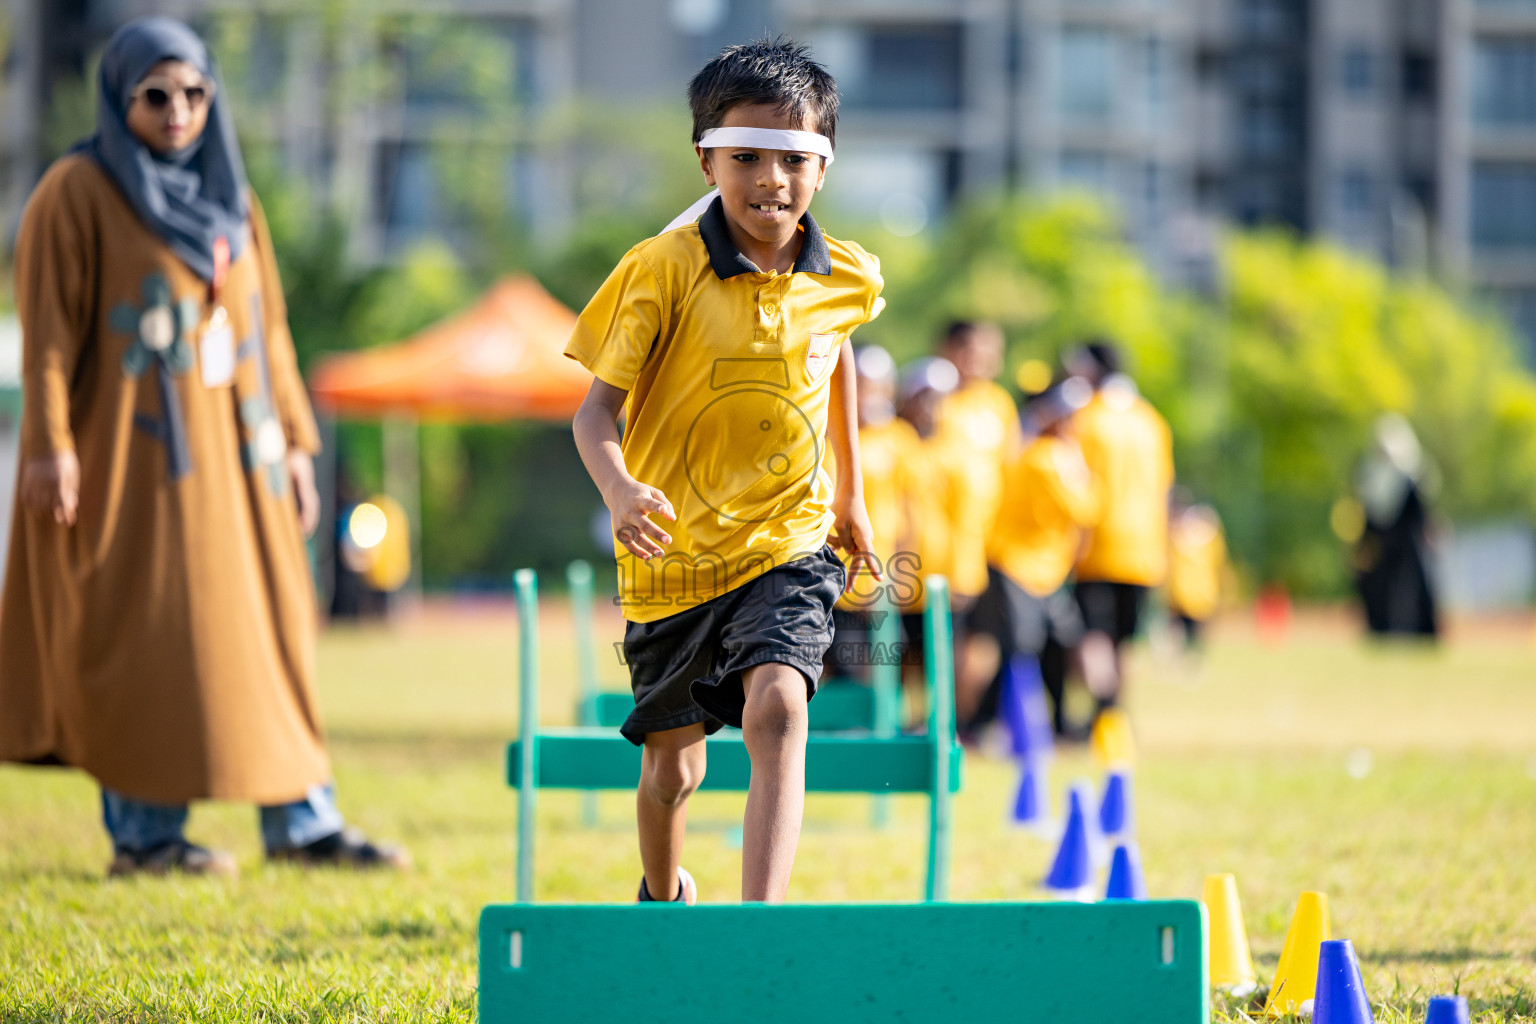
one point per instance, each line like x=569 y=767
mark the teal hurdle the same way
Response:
x=526 y=583
x=578 y=579
x=1104 y=963
x=588 y=758
x=981 y=963
x=940 y=656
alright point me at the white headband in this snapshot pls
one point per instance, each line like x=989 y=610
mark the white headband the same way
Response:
x=752 y=138
x=767 y=138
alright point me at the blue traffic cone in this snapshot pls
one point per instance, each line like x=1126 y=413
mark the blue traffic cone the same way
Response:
x=1126 y=882
x=1098 y=851
x=1032 y=804
x=1024 y=708
x=1071 y=874
x=1340 y=995
x=1115 y=817
x=1447 y=1010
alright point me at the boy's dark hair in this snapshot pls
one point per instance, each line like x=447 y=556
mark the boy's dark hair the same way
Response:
x=778 y=71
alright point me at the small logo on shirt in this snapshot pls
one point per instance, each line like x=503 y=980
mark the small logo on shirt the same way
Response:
x=818 y=355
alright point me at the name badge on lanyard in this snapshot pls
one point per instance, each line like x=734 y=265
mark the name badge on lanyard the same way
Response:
x=217 y=356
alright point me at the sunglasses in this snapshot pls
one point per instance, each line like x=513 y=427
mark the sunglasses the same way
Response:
x=159 y=92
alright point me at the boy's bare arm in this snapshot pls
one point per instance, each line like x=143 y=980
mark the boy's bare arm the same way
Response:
x=630 y=502
x=851 y=531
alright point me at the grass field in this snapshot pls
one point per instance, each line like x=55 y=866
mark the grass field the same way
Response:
x=1428 y=857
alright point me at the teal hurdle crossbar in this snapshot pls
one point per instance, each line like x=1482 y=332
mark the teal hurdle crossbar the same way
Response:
x=588 y=758
x=981 y=963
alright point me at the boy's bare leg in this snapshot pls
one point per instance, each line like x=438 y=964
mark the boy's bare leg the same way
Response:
x=671 y=768
x=774 y=725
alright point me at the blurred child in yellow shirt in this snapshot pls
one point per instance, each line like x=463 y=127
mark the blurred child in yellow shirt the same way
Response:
x=1197 y=562
x=889 y=451
x=1129 y=450
x=978 y=430
x=924 y=385
x=1048 y=504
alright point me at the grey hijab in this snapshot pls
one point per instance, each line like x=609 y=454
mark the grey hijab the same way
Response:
x=190 y=197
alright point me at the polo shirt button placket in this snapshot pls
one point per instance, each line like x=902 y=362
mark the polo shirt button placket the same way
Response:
x=769 y=308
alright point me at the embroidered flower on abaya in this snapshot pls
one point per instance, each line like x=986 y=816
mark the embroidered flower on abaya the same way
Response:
x=159 y=328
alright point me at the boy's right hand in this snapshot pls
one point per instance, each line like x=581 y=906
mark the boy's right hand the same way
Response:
x=631 y=508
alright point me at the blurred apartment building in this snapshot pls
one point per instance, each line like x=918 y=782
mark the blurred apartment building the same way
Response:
x=1403 y=128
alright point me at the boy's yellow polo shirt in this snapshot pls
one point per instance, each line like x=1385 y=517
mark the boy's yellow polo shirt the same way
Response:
x=1048 y=500
x=1130 y=453
x=729 y=372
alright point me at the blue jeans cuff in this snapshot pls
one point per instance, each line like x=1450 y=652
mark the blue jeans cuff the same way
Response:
x=292 y=825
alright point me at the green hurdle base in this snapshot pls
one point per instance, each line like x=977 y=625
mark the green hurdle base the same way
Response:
x=1023 y=963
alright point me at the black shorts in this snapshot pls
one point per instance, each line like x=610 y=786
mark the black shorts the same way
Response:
x=1020 y=621
x=687 y=667
x=1113 y=608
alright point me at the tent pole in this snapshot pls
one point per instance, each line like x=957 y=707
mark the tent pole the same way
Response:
x=402 y=481
x=323 y=544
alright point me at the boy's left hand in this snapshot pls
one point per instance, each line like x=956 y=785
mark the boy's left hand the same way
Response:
x=852 y=533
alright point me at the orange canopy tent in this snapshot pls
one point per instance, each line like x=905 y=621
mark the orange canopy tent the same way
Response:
x=500 y=359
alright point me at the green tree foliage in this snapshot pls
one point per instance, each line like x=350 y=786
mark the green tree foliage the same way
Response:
x=1321 y=342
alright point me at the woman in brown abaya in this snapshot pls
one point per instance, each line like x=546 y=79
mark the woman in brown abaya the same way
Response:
x=158 y=621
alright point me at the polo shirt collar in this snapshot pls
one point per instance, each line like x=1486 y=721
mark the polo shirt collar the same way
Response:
x=727 y=261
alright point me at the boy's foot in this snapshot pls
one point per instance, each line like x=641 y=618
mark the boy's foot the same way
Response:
x=345 y=849
x=687 y=890
x=179 y=856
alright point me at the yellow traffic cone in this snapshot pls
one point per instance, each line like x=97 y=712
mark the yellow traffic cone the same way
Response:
x=1295 y=980
x=1231 y=966
x=1112 y=741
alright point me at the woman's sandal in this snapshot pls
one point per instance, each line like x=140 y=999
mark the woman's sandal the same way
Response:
x=348 y=848
x=179 y=856
x=687 y=890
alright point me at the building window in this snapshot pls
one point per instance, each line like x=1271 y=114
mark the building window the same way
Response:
x=912 y=67
x=1085 y=87
x=1269 y=19
x=1418 y=77
x=1421 y=189
x=1504 y=82
x=1157 y=69
x=1503 y=206
x=1259 y=200
x=1153 y=185
x=1356 y=193
x=1210 y=66
x=1357 y=71
x=1085 y=169
x=406 y=193
x=1264 y=131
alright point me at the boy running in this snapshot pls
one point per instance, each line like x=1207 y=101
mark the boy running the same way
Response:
x=723 y=345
